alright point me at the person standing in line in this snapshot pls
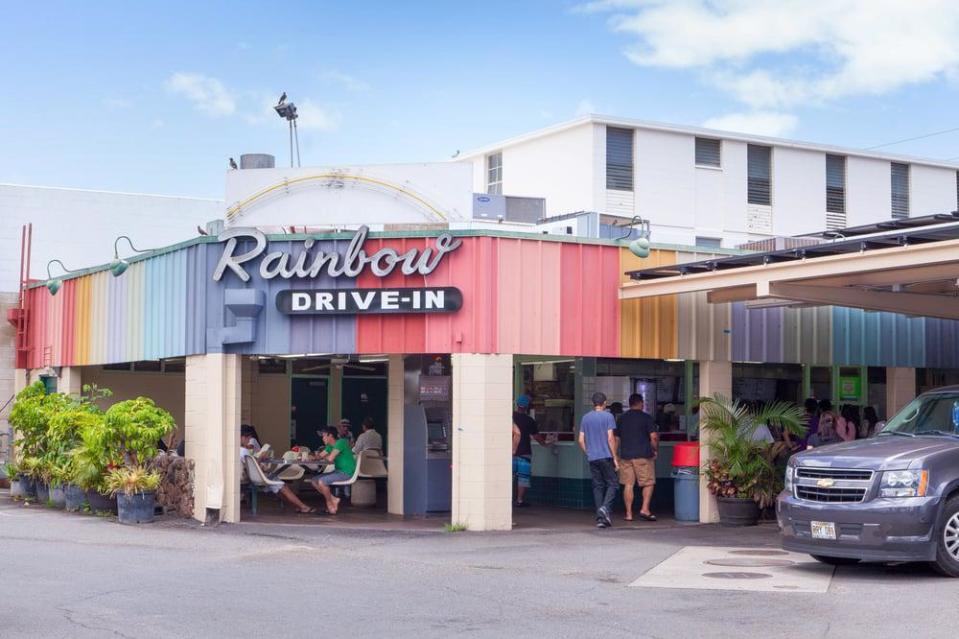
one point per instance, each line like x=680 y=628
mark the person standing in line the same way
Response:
x=598 y=441
x=846 y=424
x=638 y=445
x=869 y=422
x=525 y=428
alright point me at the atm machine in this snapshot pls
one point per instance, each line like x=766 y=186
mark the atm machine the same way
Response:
x=427 y=435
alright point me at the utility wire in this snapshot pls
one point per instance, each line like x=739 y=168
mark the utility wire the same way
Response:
x=918 y=137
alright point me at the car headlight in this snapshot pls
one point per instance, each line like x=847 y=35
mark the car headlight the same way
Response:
x=790 y=474
x=904 y=483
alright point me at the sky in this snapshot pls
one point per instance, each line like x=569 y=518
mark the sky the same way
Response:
x=155 y=97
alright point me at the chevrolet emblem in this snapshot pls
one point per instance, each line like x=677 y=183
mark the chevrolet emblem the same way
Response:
x=825 y=483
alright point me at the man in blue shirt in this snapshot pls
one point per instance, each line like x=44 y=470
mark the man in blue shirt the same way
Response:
x=598 y=441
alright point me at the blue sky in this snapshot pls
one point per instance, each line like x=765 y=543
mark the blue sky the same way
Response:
x=154 y=97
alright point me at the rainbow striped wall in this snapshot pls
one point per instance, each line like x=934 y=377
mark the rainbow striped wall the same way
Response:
x=522 y=294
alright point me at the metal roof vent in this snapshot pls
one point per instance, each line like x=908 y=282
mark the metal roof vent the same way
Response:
x=257 y=161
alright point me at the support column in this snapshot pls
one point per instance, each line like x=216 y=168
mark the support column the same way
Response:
x=394 y=434
x=212 y=417
x=482 y=441
x=70 y=380
x=714 y=377
x=900 y=388
x=335 y=395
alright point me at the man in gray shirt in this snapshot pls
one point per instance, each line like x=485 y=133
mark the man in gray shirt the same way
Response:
x=598 y=441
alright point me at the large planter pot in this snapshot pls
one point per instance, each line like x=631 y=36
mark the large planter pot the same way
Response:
x=737 y=512
x=74 y=497
x=135 y=509
x=18 y=489
x=43 y=492
x=100 y=502
x=58 y=498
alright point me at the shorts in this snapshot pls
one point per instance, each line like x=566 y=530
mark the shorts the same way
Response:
x=522 y=468
x=640 y=471
x=330 y=478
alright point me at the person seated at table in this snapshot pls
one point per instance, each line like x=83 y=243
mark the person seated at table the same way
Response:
x=369 y=439
x=254 y=438
x=337 y=451
x=282 y=491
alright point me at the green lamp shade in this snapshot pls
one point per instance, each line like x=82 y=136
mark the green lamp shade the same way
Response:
x=53 y=286
x=639 y=247
x=118 y=267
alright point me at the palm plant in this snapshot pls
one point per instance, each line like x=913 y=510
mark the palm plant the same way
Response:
x=743 y=467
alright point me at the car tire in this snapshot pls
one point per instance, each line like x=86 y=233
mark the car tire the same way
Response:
x=835 y=561
x=947 y=540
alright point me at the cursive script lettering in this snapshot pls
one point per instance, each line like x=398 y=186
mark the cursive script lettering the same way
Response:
x=308 y=264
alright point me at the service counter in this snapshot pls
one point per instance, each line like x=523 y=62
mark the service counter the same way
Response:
x=560 y=476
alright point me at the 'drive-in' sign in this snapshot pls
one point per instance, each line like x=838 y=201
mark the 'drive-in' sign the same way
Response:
x=356 y=301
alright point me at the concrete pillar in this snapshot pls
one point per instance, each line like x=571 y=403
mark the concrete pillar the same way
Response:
x=900 y=388
x=482 y=441
x=70 y=381
x=714 y=377
x=21 y=379
x=394 y=434
x=212 y=417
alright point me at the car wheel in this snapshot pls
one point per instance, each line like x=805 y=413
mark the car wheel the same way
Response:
x=947 y=540
x=835 y=561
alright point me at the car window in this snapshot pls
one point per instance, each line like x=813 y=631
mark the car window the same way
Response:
x=926 y=414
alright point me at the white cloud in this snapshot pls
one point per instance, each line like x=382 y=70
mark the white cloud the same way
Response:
x=315 y=117
x=790 y=52
x=585 y=107
x=207 y=94
x=756 y=122
x=347 y=81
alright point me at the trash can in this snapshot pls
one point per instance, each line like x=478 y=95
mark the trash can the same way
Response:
x=686 y=481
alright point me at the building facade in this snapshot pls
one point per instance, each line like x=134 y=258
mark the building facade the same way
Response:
x=709 y=188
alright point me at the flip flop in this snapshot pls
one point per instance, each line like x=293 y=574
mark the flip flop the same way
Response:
x=628 y=518
x=647 y=517
x=308 y=511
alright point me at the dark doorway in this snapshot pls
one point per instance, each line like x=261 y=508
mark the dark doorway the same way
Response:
x=365 y=397
x=308 y=411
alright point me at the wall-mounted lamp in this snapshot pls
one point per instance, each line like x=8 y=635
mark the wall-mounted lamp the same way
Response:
x=119 y=266
x=53 y=284
x=640 y=246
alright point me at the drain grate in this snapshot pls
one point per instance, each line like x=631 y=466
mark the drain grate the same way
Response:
x=737 y=575
x=747 y=562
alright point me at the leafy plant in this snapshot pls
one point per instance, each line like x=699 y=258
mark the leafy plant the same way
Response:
x=135 y=426
x=741 y=466
x=454 y=528
x=132 y=481
x=12 y=470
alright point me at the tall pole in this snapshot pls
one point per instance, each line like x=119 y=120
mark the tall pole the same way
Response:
x=291 y=144
x=296 y=136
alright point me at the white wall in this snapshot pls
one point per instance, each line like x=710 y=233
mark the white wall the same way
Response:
x=558 y=167
x=371 y=194
x=799 y=191
x=868 y=191
x=931 y=190
x=78 y=227
x=166 y=389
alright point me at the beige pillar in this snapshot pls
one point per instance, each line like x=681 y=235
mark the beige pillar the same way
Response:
x=394 y=437
x=900 y=388
x=482 y=441
x=212 y=417
x=70 y=381
x=21 y=379
x=714 y=377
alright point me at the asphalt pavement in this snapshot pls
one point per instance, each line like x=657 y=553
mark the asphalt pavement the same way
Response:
x=64 y=575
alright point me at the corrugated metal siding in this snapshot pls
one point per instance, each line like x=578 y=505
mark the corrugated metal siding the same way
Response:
x=590 y=300
x=757 y=335
x=942 y=343
x=649 y=326
x=704 y=328
x=877 y=339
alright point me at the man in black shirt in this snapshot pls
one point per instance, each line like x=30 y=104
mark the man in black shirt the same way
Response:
x=638 y=447
x=524 y=428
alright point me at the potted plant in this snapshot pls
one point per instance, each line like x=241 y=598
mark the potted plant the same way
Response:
x=135 y=490
x=742 y=472
x=132 y=429
x=20 y=486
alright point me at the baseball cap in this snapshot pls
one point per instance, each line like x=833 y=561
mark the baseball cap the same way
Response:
x=523 y=401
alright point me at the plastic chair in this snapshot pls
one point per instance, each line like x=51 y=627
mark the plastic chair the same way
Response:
x=356 y=472
x=291 y=473
x=257 y=479
x=371 y=464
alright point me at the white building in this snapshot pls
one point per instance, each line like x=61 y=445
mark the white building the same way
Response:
x=700 y=186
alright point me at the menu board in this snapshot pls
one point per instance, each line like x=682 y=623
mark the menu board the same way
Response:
x=754 y=388
x=434 y=388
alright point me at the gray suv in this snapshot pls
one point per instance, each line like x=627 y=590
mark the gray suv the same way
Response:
x=894 y=497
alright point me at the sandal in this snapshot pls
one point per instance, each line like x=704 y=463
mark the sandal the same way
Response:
x=647 y=517
x=308 y=511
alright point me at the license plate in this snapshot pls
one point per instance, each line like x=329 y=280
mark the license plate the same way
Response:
x=823 y=529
